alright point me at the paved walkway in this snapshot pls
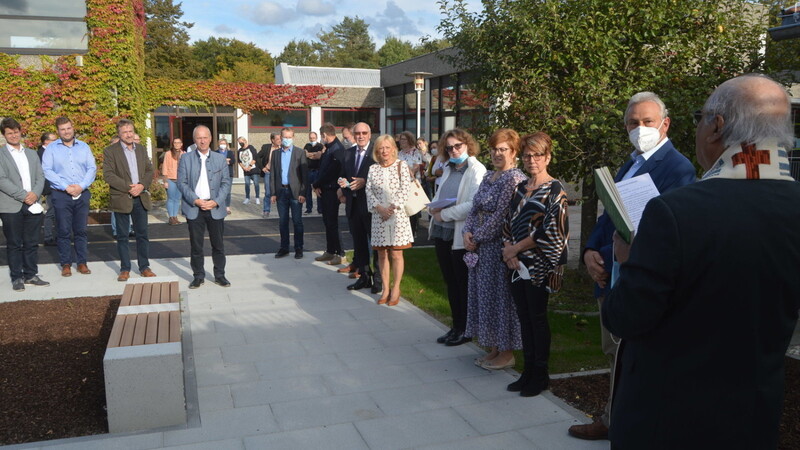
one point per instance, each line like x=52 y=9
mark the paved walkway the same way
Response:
x=287 y=358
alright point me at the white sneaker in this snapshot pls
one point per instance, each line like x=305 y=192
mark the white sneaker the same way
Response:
x=246 y=201
x=258 y=201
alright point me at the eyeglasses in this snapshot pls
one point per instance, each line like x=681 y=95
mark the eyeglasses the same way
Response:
x=457 y=146
x=535 y=157
x=499 y=149
x=697 y=116
x=359 y=133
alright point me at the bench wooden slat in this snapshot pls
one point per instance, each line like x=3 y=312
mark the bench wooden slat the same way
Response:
x=136 y=296
x=151 y=336
x=147 y=290
x=173 y=292
x=116 y=331
x=127 y=332
x=174 y=326
x=163 y=327
x=127 y=295
x=141 y=329
x=163 y=292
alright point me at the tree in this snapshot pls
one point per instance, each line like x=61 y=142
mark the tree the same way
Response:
x=427 y=45
x=782 y=59
x=246 y=71
x=348 y=44
x=568 y=67
x=218 y=54
x=394 y=50
x=166 y=48
x=299 y=53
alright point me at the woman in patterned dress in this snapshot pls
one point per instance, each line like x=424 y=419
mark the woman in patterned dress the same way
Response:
x=491 y=316
x=534 y=238
x=387 y=187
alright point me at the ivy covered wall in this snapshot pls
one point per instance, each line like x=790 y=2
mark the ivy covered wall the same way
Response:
x=111 y=85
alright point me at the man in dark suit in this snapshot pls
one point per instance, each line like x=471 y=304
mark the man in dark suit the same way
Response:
x=314 y=152
x=710 y=282
x=326 y=187
x=647 y=123
x=129 y=172
x=355 y=164
x=21 y=183
x=289 y=169
x=49 y=222
x=204 y=183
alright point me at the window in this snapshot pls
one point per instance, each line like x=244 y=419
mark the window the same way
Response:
x=294 y=118
x=48 y=27
x=342 y=117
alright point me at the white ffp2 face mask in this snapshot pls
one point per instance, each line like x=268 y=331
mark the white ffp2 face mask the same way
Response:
x=645 y=138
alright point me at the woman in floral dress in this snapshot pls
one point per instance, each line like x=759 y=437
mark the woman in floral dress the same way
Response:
x=388 y=183
x=491 y=316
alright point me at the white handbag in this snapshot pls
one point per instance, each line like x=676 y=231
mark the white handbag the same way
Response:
x=417 y=198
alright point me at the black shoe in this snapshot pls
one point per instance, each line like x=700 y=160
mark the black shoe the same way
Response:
x=18 y=284
x=222 y=281
x=281 y=253
x=443 y=338
x=539 y=381
x=50 y=243
x=132 y=234
x=298 y=254
x=457 y=338
x=36 y=281
x=196 y=283
x=363 y=282
x=520 y=383
x=377 y=287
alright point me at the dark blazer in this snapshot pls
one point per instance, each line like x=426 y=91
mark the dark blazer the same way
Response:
x=47 y=189
x=219 y=182
x=262 y=158
x=12 y=195
x=330 y=167
x=117 y=174
x=298 y=172
x=669 y=169
x=356 y=200
x=706 y=306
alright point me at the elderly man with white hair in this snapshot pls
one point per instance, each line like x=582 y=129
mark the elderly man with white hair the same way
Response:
x=710 y=283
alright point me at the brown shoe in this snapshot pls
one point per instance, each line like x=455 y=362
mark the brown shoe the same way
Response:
x=347 y=269
x=148 y=273
x=124 y=275
x=84 y=269
x=591 y=432
x=355 y=275
x=66 y=270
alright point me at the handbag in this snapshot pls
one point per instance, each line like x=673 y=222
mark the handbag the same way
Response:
x=417 y=198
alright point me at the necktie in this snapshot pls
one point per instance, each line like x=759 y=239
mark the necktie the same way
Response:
x=359 y=154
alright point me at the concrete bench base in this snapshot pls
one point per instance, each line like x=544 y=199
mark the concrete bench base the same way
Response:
x=144 y=387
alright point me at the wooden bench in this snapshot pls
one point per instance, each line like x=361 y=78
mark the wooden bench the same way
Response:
x=143 y=363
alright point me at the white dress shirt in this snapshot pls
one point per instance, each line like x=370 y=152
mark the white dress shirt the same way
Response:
x=202 y=190
x=22 y=165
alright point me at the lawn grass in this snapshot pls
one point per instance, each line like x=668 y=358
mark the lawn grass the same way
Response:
x=575 y=337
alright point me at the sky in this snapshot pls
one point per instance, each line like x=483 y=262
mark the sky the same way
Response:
x=272 y=24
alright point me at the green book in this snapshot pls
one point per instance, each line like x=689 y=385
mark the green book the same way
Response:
x=612 y=202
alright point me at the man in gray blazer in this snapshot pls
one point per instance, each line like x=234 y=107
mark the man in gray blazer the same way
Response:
x=21 y=183
x=289 y=169
x=205 y=182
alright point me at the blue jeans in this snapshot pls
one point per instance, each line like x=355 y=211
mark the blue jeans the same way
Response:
x=71 y=218
x=114 y=225
x=313 y=176
x=267 y=193
x=123 y=222
x=287 y=202
x=173 y=199
x=255 y=179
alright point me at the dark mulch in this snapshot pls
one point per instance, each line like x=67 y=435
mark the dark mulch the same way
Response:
x=51 y=380
x=589 y=394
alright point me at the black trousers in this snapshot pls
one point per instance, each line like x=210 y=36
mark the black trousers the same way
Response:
x=330 y=217
x=21 y=230
x=361 y=229
x=197 y=231
x=531 y=303
x=455 y=273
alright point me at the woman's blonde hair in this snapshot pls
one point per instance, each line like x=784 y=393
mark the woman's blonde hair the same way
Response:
x=378 y=142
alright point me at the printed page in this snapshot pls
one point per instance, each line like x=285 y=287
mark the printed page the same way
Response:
x=635 y=193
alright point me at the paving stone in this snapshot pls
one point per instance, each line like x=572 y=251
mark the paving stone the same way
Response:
x=335 y=344
x=270 y=391
x=299 y=366
x=316 y=412
x=214 y=374
x=226 y=424
x=351 y=326
x=131 y=442
x=411 y=336
x=332 y=437
x=213 y=398
x=229 y=444
x=426 y=397
x=370 y=380
x=380 y=357
x=434 y=350
x=413 y=430
x=489 y=387
x=445 y=369
x=261 y=352
x=510 y=440
x=511 y=414
x=206 y=340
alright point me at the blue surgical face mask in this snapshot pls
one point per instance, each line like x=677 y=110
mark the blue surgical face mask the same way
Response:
x=286 y=142
x=460 y=159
